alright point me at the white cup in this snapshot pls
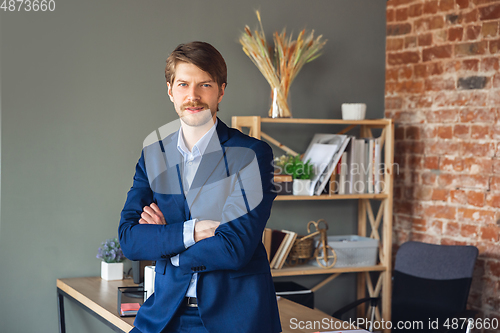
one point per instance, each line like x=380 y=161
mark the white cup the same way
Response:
x=353 y=111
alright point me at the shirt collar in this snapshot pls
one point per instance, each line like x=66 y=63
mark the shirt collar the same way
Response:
x=200 y=146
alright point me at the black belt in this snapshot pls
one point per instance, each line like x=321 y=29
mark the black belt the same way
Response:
x=191 y=302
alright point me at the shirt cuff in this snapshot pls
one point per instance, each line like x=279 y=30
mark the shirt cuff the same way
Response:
x=189 y=232
x=175 y=260
x=188 y=238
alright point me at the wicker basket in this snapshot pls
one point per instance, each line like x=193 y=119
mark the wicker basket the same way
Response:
x=301 y=252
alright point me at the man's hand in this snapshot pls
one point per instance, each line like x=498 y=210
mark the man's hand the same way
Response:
x=152 y=215
x=204 y=229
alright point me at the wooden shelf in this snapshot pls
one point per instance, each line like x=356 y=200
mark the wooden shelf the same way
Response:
x=314 y=270
x=330 y=197
x=379 y=223
x=369 y=122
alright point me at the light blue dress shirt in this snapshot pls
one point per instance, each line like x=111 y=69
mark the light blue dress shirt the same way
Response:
x=191 y=162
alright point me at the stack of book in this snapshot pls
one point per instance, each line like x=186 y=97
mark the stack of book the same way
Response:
x=324 y=153
x=348 y=164
x=278 y=244
x=359 y=169
x=129 y=309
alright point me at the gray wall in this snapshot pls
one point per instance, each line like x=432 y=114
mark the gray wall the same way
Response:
x=83 y=86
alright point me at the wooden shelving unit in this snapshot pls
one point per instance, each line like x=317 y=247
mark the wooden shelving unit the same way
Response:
x=382 y=220
x=315 y=270
x=330 y=197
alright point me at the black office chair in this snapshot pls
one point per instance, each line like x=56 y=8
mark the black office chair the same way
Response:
x=430 y=282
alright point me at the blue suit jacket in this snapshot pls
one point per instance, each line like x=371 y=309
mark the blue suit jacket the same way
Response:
x=233 y=185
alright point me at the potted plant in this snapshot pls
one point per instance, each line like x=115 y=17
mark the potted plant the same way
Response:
x=112 y=258
x=301 y=172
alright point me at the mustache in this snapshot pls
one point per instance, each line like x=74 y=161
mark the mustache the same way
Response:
x=194 y=105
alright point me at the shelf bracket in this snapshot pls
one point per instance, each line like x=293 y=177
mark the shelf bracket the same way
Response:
x=324 y=282
x=375 y=224
x=374 y=292
x=278 y=144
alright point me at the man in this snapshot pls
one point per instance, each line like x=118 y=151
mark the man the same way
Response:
x=198 y=206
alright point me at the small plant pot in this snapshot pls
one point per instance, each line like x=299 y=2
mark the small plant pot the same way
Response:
x=301 y=186
x=353 y=111
x=111 y=271
x=283 y=184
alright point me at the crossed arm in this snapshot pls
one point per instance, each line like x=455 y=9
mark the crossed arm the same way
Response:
x=147 y=234
x=202 y=229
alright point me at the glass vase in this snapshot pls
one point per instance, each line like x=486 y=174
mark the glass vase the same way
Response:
x=280 y=106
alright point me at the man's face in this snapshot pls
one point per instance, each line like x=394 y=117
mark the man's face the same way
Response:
x=195 y=94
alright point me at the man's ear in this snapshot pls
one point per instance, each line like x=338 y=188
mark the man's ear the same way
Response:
x=221 y=92
x=169 y=91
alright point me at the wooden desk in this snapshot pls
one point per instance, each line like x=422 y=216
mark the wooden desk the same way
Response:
x=99 y=297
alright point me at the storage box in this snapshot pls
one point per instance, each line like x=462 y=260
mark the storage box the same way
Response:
x=352 y=251
x=295 y=293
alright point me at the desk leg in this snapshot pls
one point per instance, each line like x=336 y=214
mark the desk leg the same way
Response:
x=60 y=304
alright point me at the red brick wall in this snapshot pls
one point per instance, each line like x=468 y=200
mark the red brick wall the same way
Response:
x=443 y=91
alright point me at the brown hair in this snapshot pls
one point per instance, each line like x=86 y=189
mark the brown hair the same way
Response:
x=201 y=54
